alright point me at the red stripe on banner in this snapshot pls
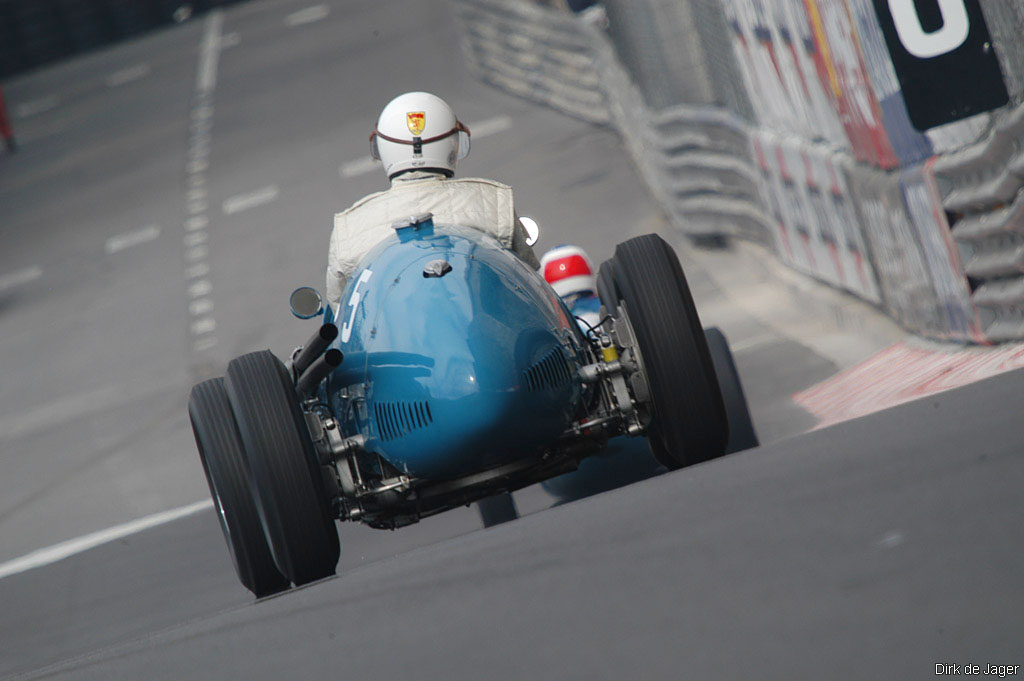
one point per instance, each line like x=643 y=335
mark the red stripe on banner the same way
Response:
x=759 y=152
x=809 y=171
x=781 y=160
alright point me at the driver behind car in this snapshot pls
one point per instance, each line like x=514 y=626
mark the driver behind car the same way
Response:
x=570 y=271
x=419 y=141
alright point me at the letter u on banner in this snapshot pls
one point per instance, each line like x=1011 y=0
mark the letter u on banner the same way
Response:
x=954 y=31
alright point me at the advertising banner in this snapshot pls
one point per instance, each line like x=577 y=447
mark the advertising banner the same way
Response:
x=944 y=59
x=910 y=145
x=817 y=224
x=776 y=54
x=927 y=217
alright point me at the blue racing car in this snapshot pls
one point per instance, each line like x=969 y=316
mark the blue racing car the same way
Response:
x=452 y=373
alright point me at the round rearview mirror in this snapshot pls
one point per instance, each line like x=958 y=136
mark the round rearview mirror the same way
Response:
x=306 y=302
x=532 y=230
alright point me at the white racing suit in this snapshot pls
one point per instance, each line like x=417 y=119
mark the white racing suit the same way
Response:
x=470 y=202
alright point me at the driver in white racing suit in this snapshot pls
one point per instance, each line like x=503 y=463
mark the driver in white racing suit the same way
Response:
x=418 y=140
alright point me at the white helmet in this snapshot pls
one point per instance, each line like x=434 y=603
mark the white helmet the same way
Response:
x=569 y=271
x=419 y=131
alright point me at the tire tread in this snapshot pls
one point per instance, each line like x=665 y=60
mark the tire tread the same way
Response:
x=689 y=424
x=302 y=535
x=222 y=456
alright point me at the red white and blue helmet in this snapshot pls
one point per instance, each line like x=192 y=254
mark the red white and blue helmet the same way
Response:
x=569 y=270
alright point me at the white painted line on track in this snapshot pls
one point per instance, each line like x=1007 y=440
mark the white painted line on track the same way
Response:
x=197 y=165
x=360 y=166
x=200 y=269
x=196 y=222
x=209 y=54
x=237 y=204
x=307 y=15
x=891 y=540
x=133 y=238
x=203 y=112
x=127 y=75
x=200 y=149
x=200 y=307
x=200 y=127
x=20 y=277
x=203 y=325
x=66 y=549
x=200 y=130
x=205 y=343
x=36 y=106
x=200 y=288
x=193 y=239
x=491 y=126
x=230 y=40
x=485 y=128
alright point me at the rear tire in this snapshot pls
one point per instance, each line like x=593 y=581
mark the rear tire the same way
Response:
x=497 y=510
x=223 y=459
x=741 y=426
x=688 y=422
x=285 y=473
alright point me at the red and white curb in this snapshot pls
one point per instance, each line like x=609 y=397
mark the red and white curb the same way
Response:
x=902 y=373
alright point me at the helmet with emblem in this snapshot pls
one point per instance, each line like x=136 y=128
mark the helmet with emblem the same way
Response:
x=569 y=271
x=419 y=131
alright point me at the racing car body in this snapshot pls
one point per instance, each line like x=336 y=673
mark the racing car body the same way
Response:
x=458 y=357
x=449 y=373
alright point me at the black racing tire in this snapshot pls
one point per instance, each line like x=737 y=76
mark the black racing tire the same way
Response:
x=688 y=423
x=501 y=508
x=741 y=426
x=283 y=468
x=606 y=290
x=221 y=453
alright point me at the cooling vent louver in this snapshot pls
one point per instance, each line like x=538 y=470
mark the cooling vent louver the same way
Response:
x=398 y=419
x=550 y=372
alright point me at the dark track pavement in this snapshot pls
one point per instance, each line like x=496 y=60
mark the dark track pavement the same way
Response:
x=778 y=557
x=874 y=549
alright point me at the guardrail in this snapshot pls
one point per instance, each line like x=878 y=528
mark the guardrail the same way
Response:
x=833 y=176
x=985 y=198
x=696 y=160
x=535 y=53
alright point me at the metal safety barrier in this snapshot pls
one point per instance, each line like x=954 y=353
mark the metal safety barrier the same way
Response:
x=854 y=197
x=696 y=160
x=984 y=197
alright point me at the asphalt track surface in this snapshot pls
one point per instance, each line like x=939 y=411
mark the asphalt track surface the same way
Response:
x=877 y=548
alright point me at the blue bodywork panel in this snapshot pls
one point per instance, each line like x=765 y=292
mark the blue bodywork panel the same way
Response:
x=453 y=374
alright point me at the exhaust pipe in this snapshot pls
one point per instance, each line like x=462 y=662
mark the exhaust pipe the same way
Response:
x=318 y=370
x=314 y=347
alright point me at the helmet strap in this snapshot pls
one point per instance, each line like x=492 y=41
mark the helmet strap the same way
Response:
x=418 y=142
